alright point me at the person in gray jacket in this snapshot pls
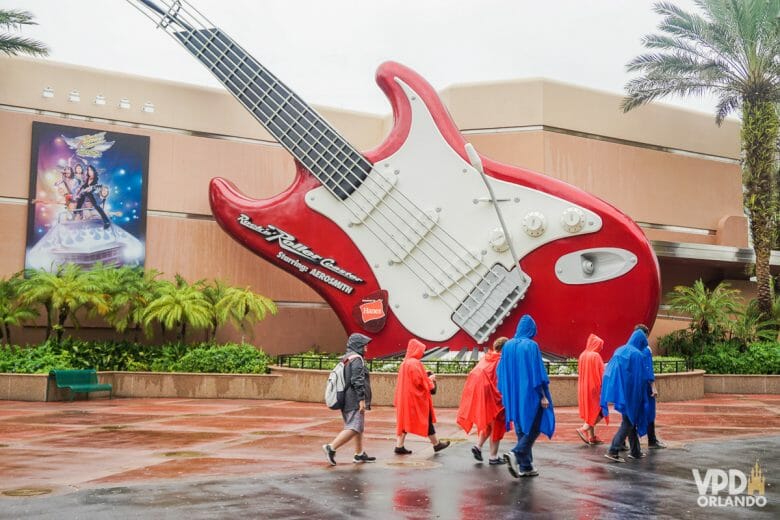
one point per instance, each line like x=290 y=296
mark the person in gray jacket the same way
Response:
x=357 y=399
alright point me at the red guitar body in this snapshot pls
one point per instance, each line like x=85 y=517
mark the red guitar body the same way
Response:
x=565 y=313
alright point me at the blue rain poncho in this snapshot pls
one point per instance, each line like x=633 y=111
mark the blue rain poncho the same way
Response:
x=522 y=380
x=626 y=383
x=647 y=361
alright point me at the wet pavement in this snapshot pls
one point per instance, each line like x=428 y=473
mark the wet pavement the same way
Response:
x=175 y=458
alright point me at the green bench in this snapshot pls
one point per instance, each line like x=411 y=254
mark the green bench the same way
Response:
x=79 y=381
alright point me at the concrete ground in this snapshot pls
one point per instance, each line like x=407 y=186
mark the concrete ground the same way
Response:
x=175 y=458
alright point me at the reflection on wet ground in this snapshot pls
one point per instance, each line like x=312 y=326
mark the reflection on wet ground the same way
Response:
x=174 y=458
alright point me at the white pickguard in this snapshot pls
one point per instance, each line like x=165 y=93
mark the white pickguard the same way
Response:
x=427 y=189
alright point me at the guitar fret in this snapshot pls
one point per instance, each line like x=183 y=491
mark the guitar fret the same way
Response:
x=323 y=151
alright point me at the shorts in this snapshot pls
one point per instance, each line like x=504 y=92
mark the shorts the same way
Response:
x=354 y=420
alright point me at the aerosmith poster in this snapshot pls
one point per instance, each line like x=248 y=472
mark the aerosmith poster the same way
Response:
x=87 y=197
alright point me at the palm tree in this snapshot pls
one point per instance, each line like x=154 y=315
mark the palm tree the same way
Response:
x=14 y=19
x=733 y=52
x=242 y=307
x=130 y=289
x=214 y=293
x=12 y=312
x=62 y=294
x=179 y=305
x=709 y=310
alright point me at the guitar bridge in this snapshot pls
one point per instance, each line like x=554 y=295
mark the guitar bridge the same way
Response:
x=486 y=306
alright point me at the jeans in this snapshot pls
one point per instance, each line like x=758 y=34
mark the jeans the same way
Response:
x=651 y=438
x=525 y=442
x=626 y=430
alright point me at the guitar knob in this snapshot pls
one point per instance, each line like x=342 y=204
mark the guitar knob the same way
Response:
x=498 y=240
x=534 y=224
x=573 y=220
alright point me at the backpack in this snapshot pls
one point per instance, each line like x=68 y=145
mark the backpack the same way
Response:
x=336 y=387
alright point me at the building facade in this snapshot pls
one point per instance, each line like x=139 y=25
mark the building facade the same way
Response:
x=673 y=171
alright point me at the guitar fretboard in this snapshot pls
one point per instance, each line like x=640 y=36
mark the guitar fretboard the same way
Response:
x=338 y=166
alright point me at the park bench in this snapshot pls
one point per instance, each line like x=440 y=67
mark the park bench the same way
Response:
x=79 y=381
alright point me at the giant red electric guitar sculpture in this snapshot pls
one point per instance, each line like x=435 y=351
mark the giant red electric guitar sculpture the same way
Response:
x=405 y=241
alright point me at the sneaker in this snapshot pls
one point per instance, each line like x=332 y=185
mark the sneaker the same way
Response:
x=595 y=440
x=657 y=445
x=641 y=455
x=511 y=464
x=615 y=457
x=582 y=436
x=496 y=462
x=363 y=457
x=330 y=453
x=442 y=445
x=529 y=473
x=477 y=453
x=402 y=451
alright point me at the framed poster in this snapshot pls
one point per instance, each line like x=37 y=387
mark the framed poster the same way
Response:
x=87 y=197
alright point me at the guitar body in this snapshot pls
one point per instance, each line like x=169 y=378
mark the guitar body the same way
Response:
x=389 y=287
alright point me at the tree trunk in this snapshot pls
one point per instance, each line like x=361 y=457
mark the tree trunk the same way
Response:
x=759 y=141
x=48 y=319
x=7 y=334
x=61 y=322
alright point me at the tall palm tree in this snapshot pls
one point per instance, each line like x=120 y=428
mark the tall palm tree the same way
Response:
x=179 y=305
x=732 y=50
x=10 y=44
x=243 y=307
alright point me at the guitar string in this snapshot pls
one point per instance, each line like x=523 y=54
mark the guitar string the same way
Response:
x=286 y=133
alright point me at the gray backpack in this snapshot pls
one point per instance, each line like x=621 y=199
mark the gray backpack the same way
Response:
x=337 y=385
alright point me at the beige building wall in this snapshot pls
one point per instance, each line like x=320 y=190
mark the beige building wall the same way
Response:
x=673 y=171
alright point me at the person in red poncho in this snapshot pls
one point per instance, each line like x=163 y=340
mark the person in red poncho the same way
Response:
x=481 y=405
x=591 y=373
x=413 y=403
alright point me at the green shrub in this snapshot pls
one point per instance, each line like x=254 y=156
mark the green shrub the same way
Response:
x=34 y=360
x=227 y=359
x=727 y=358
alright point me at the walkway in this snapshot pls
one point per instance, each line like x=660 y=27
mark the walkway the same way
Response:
x=170 y=458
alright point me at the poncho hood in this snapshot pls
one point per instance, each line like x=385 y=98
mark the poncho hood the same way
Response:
x=415 y=349
x=357 y=343
x=594 y=344
x=526 y=328
x=638 y=340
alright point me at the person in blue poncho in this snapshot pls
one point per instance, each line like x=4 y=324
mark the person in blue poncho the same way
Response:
x=625 y=386
x=525 y=392
x=653 y=442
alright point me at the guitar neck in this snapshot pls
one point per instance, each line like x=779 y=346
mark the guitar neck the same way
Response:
x=295 y=125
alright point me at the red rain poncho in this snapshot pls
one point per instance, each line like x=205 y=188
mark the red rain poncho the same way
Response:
x=591 y=369
x=413 y=403
x=480 y=403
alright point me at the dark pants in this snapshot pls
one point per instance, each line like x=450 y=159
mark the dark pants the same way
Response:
x=525 y=442
x=626 y=430
x=95 y=205
x=651 y=438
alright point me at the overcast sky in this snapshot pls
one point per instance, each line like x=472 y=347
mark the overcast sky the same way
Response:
x=328 y=50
